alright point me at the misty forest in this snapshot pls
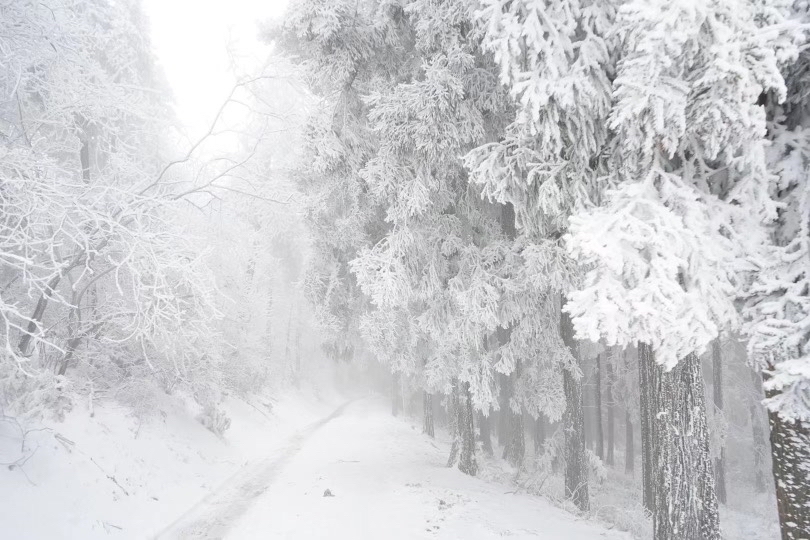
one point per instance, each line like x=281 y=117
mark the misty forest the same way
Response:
x=403 y=269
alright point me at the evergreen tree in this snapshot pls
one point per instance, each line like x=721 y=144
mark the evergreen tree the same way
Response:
x=778 y=300
x=664 y=247
x=555 y=60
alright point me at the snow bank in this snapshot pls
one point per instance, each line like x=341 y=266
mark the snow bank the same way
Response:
x=111 y=475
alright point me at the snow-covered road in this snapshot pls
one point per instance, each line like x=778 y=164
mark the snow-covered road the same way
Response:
x=213 y=516
x=388 y=481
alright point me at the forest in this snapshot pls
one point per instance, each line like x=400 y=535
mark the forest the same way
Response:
x=567 y=241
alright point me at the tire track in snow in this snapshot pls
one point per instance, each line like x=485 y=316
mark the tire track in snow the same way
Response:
x=212 y=517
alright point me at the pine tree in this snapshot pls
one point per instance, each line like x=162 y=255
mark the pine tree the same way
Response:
x=778 y=301
x=665 y=244
x=555 y=61
x=425 y=252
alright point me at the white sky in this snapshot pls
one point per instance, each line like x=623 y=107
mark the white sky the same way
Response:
x=192 y=39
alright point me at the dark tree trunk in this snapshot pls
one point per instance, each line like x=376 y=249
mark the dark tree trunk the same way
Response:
x=717 y=393
x=427 y=409
x=466 y=463
x=506 y=424
x=515 y=449
x=599 y=433
x=503 y=411
x=629 y=445
x=453 y=425
x=539 y=434
x=685 y=504
x=576 y=470
x=790 y=450
x=646 y=365
x=395 y=398
x=761 y=449
x=611 y=422
x=484 y=429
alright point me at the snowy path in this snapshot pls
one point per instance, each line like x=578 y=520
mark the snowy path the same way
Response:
x=213 y=516
x=389 y=482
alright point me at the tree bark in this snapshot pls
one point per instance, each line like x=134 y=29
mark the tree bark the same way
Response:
x=790 y=451
x=515 y=449
x=599 y=431
x=760 y=441
x=466 y=463
x=685 y=503
x=717 y=393
x=576 y=470
x=646 y=365
x=539 y=434
x=427 y=409
x=485 y=431
x=611 y=422
x=503 y=411
x=453 y=425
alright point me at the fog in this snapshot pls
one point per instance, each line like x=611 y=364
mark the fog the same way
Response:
x=415 y=269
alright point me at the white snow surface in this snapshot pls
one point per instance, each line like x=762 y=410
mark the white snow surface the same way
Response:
x=390 y=481
x=113 y=476
x=169 y=477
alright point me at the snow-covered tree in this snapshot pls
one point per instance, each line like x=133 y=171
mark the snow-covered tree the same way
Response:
x=337 y=45
x=100 y=273
x=777 y=310
x=664 y=249
x=555 y=58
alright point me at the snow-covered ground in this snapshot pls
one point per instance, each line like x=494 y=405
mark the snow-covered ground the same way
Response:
x=389 y=481
x=111 y=476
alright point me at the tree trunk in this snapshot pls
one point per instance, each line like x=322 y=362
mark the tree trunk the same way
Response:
x=452 y=424
x=466 y=463
x=717 y=393
x=503 y=411
x=599 y=432
x=760 y=443
x=790 y=450
x=646 y=365
x=39 y=313
x=539 y=434
x=685 y=504
x=611 y=423
x=515 y=448
x=629 y=445
x=576 y=469
x=427 y=409
x=485 y=429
